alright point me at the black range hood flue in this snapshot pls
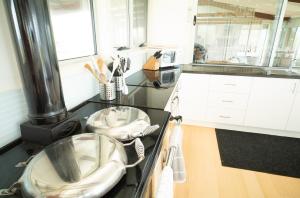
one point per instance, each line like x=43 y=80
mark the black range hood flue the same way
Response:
x=38 y=65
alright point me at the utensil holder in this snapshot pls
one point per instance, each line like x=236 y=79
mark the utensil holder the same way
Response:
x=107 y=91
x=119 y=83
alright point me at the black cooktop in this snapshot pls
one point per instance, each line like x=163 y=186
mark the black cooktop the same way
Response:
x=133 y=184
x=139 y=96
x=163 y=78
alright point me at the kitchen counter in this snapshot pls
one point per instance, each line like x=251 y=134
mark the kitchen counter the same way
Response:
x=239 y=71
x=167 y=77
x=142 y=94
x=144 y=97
x=133 y=184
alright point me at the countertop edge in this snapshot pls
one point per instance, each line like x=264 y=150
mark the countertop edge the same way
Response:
x=189 y=68
x=141 y=191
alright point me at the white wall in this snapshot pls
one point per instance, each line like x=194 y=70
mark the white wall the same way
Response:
x=170 y=23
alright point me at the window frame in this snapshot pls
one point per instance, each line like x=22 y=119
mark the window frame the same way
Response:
x=94 y=36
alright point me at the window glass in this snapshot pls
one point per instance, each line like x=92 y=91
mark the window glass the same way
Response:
x=139 y=22
x=288 y=52
x=119 y=20
x=235 y=31
x=72 y=27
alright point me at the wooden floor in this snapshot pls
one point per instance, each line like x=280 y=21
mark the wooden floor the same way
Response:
x=206 y=178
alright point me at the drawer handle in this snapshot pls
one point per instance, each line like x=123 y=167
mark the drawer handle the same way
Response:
x=229 y=84
x=222 y=116
x=228 y=101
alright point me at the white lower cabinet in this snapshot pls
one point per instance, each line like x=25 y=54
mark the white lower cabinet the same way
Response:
x=225 y=115
x=270 y=103
x=228 y=100
x=230 y=84
x=294 y=119
x=193 y=96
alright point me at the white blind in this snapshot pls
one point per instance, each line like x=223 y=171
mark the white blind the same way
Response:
x=13 y=111
x=12 y=101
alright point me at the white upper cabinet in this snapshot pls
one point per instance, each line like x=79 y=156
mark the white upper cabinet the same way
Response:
x=193 y=94
x=270 y=102
x=294 y=119
x=170 y=23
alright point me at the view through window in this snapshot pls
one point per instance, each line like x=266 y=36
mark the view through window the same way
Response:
x=236 y=31
x=288 y=52
x=72 y=27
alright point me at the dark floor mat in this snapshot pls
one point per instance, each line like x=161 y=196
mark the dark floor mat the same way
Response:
x=260 y=152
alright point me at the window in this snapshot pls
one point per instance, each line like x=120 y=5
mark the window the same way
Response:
x=139 y=30
x=72 y=25
x=129 y=22
x=288 y=51
x=235 y=32
x=120 y=23
x=123 y=24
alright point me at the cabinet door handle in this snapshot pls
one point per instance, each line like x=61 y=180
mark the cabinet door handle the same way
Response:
x=194 y=20
x=226 y=117
x=228 y=101
x=229 y=84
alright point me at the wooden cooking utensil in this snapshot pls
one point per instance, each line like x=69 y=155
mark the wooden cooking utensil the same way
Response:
x=101 y=66
x=89 y=67
x=103 y=78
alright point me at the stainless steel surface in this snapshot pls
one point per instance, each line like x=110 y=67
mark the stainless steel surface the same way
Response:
x=168 y=58
x=31 y=28
x=122 y=122
x=169 y=77
x=119 y=83
x=107 y=91
x=85 y=165
x=140 y=150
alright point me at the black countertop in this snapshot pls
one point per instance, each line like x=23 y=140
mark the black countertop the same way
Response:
x=145 y=97
x=166 y=77
x=133 y=184
x=239 y=71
